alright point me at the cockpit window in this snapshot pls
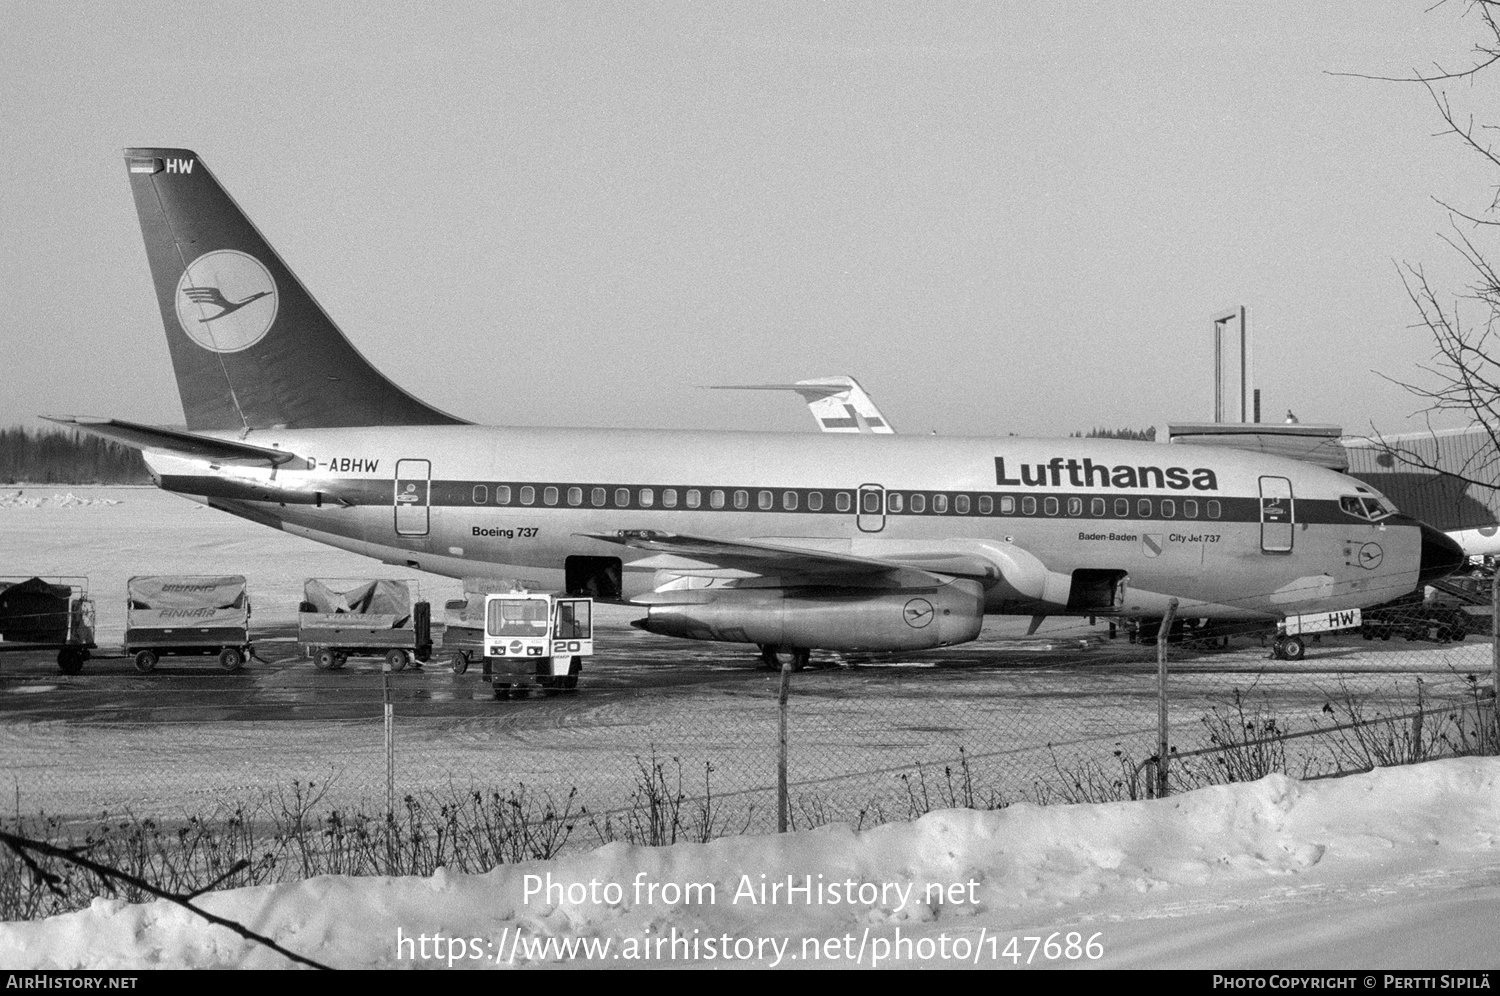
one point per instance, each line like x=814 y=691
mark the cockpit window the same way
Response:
x=1365 y=507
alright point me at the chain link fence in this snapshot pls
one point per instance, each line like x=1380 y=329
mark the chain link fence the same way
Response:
x=1067 y=716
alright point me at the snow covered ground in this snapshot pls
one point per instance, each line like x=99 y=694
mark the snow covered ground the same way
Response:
x=1399 y=868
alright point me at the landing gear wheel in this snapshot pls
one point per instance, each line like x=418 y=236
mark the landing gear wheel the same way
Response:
x=773 y=657
x=396 y=660
x=459 y=662
x=325 y=660
x=70 y=660
x=1291 y=648
x=231 y=659
x=145 y=661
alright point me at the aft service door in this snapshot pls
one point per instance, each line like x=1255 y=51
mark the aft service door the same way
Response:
x=871 y=508
x=1277 y=515
x=413 y=493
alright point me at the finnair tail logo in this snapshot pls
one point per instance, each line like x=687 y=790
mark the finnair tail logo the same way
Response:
x=226 y=301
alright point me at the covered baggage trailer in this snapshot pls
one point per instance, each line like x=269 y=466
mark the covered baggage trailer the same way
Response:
x=341 y=618
x=187 y=615
x=534 y=637
x=53 y=613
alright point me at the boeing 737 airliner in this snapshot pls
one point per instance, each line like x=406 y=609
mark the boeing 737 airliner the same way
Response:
x=793 y=542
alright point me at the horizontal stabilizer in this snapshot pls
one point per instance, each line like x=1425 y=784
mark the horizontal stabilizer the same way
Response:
x=175 y=441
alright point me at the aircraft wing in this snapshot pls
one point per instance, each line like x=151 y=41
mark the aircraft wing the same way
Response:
x=808 y=566
x=175 y=441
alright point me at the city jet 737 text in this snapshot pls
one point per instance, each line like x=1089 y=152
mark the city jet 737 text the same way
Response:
x=793 y=542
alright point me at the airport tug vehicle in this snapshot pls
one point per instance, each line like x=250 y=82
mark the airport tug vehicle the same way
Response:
x=536 y=637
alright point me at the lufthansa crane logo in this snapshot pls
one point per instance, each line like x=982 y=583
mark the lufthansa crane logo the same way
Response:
x=226 y=301
x=918 y=613
x=1370 y=556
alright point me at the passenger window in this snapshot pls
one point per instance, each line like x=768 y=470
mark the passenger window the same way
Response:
x=694 y=498
x=986 y=505
x=1143 y=508
x=841 y=501
x=1213 y=510
x=815 y=501
x=668 y=498
x=648 y=498
x=742 y=499
x=1190 y=509
x=765 y=500
x=502 y=494
x=1049 y=505
x=1168 y=508
x=870 y=502
x=919 y=503
x=1007 y=505
x=961 y=504
x=549 y=496
x=622 y=497
x=528 y=495
x=575 y=496
x=596 y=496
x=789 y=500
x=894 y=502
x=1028 y=505
x=940 y=504
x=1122 y=508
x=1098 y=508
x=1075 y=506
x=481 y=494
x=716 y=498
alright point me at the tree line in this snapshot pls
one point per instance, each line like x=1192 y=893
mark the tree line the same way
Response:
x=63 y=456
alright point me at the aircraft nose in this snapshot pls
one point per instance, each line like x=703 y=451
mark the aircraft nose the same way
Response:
x=1440 y=555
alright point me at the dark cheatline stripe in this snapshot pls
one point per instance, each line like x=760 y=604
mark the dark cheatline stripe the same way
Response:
x=1023 y=505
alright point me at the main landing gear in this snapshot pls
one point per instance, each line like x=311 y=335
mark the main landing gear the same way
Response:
x=772 y=658
x=1289 y=648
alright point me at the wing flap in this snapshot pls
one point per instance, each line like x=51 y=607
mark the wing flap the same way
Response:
x=793 y=564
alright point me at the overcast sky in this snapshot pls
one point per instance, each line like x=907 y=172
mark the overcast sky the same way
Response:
x=1002 y=217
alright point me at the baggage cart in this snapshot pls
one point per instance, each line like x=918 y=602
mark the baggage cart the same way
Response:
x=341 y=618
x=187 y=615
x=53 y=613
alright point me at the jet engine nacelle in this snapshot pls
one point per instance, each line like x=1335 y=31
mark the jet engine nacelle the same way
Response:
x=825 y=618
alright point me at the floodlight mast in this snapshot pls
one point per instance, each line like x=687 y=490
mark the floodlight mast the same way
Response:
x=1219 y=328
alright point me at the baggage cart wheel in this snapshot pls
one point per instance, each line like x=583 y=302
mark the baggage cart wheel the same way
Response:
x=339 y=660
x=396 y=659
x=459 y=662
x=145 y=661
x=70 y=660
x=231 y=659
x=325 y=660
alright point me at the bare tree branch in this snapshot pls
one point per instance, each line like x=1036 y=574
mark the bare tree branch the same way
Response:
x=24 y=847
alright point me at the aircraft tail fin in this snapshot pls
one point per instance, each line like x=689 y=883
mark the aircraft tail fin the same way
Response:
x=838 y=404
x=250 y=346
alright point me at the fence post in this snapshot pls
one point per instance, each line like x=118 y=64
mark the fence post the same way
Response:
x=783 y=804
x=390 y=747
x=1492 y=729
x=1161 y=697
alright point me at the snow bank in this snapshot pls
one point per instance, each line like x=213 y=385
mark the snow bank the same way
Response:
x=1200 y=879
